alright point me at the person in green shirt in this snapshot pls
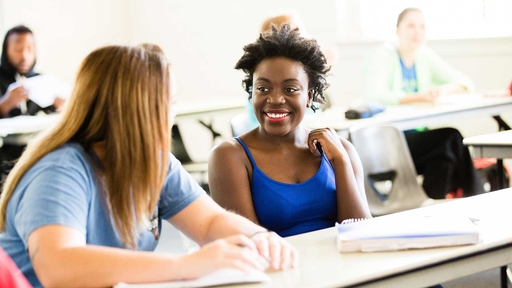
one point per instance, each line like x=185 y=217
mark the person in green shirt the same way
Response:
x=410 y=72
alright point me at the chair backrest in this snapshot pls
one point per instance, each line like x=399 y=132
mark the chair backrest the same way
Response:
x=239 y=124
x=178 y=147
x=389 y=172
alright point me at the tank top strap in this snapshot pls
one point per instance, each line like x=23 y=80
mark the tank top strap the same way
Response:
x=246 y=151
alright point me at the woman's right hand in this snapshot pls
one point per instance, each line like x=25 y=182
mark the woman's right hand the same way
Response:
x=13 y=98
x=236 y=251
x=431 y=95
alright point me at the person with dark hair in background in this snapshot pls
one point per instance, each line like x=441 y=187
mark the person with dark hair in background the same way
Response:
x=410 y=72
x=17 y=63
x=280 y=175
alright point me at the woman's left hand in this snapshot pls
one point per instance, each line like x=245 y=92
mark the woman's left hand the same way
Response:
x=281 y=254
x=329 y=142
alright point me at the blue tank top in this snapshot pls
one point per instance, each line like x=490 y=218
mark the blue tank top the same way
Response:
x=290 y=209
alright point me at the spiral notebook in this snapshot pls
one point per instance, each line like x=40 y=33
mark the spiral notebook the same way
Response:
x=401 y=233
x=223 y=276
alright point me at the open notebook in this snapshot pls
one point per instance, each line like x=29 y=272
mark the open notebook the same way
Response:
x=220 y=277
x=400 y=233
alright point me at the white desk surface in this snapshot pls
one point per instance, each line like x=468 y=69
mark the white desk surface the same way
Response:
x=31 y=124
x=26 y=124
x=413 y=116
x=185 y=107
x=492 y=139
x=321 y=265
x=497 y=144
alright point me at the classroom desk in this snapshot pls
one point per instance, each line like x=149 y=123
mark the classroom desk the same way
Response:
x=492 y=145
x=495 y=145
x=417 y=115
x=188 y=113
x=18 y=130
x=321 y=265
x=205 y=123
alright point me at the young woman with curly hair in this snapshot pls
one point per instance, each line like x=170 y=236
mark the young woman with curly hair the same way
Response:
x=280 y=175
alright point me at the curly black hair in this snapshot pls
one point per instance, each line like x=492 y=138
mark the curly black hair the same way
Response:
x=285 y=42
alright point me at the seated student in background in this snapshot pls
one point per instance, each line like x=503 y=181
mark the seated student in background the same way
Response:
x=287 y=178
x=295 y=22
x=410 y=72
x=18 y=61
x=85 y=201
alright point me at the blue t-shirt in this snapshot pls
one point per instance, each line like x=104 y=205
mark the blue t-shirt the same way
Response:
x=409 y=79
x=290 y=209
x=62 y=189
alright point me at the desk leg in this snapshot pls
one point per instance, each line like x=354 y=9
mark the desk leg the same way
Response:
x=501 y=123
x=499 y=164
x=504 y=276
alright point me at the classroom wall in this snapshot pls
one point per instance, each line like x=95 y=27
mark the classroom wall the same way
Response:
x=66 y=30
x=204 y=39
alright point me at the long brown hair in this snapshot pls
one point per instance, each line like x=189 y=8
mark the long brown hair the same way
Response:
x=121 y=99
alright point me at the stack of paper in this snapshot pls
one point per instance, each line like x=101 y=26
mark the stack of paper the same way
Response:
x=220 y=277
x=43 y=89
x=399 y=233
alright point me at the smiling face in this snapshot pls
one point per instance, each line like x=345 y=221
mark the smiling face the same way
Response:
x=280 y=94
x=411 y=30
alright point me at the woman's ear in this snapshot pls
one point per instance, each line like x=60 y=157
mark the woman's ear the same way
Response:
x=310 y=98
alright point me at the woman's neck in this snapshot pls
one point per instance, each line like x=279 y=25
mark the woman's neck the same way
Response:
x=297 y=137
x=100 y=149
x=407 y=56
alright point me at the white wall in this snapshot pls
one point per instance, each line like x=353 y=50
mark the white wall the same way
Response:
x=66 y=30
x=204 y=39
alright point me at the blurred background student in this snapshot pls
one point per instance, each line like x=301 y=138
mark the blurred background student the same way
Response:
x=410 y=72
x=17 y=63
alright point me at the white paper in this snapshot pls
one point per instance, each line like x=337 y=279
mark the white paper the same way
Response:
x=43 y=89
x=219 y=277
x=392 y=233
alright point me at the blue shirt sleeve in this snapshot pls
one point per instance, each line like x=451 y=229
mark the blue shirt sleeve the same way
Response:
x=55 y=194
x=180 y=189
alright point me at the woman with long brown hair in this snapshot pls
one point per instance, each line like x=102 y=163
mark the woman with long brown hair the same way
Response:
x=103 y=179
